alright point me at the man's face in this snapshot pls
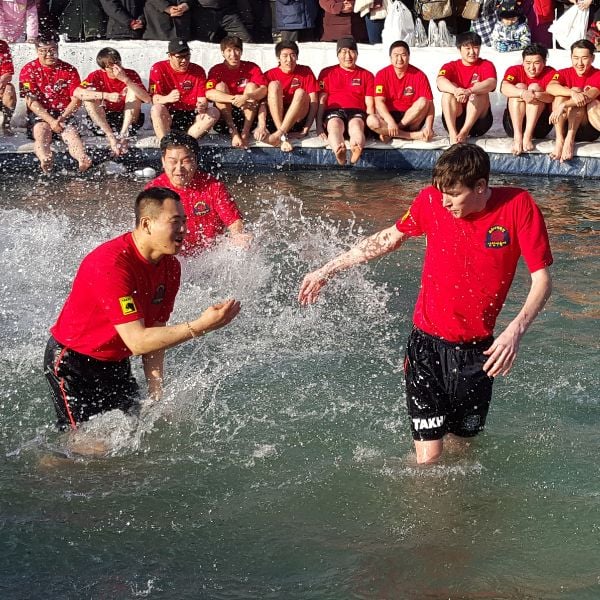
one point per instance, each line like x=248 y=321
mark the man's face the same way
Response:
x=288 y=60
x=180 y=61
x=180 y=166
x=47 y=54
x=232 y=56
x=168 y=228
x=582 y=60
x=462 y=201
x=469 y=54
x=399 y=58
x=110 y=70
x=347 y=58
x=533 y=65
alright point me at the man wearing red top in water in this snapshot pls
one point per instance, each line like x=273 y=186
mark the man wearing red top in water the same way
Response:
x=209 y=207
x=466 y=85
x=292 y=97
x=48 y=85
x=475 y=236
x=8 y=96
x=119 y=304
x=178 y=94
x=345 y=101
x=113 y=98
x=403 y=99
x=576 y=107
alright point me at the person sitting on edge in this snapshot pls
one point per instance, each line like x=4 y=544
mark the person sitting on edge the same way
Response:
x=237 y=88
x=292 y=97
x=8 y=95
x=345 y=100
x=48 y=85
x=178 y=94
x=475 y=236
x=527 y=111
x=576 y=108
x=209 y=207
x=113 y=96
x=403 y=99
x=466 y=84
x=120 y=301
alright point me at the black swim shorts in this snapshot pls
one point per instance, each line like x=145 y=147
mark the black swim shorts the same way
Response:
x=345 y=114
x=33 y=119
x=480 y=127
x=447 y=390
x=182 y=120
x=83 y=386
x=542 y=128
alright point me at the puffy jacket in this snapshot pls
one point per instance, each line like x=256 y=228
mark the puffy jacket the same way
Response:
x=120 y=14
x=295 y=14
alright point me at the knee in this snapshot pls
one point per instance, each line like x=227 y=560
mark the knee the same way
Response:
x=158 y=110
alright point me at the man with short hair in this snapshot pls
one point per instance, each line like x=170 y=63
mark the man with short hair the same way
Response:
x=466 y=84
x=237 y=88
x=209 y=207
x=113 y=96
x=48 y=85
x=527 y=110
x=121 y=299
x=403 y=99
x=292 y=97
x=8 y=96
x=576 y=107
x=475 y=236
x=345 y=100
x=177 y=86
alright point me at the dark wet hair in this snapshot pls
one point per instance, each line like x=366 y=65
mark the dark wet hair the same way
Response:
x=468 y=37
x=534 y=50
x=232 y=41
x=108 y=56
x=399 y=44
x=150 y=201
x=47 y=38
x=178 y=139
x=286 y=45
x=583 y=44
x=460 y=164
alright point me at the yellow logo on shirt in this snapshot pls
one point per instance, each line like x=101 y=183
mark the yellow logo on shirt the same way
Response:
x=128 y=306
x=379 y=89
x=510 y=78
x=210 y=85
x=406 y=215
x=153 y=88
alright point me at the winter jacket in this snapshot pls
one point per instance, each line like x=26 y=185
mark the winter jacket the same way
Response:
x=120 y=14
x=292 y=15
x=79 y=20
x=337 y=25
x=160 y=26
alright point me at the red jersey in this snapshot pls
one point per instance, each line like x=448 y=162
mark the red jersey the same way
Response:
x=301 y=77
x=401 y=93
x=235 y=79
x=6 y=64
x=517 y=74
x=208 y=206
x=164 y=79
x=465 y=76
x=346 y=89
x=115 y=284
x=470 y=262
x=569 y=78
x=52 y=87
x=99 y=81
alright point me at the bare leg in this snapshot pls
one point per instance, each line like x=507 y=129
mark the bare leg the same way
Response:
x=161 y=120
x=516 y=109
x=9 y=101
x=476 y=107
x=451 y=110
x=70 y=135
x=204 y=122
x=335 y=139
x=356 y=131
x=560 y=129
x=42 y=138
x=533 y=112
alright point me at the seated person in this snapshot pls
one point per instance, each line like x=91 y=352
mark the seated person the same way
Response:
x=292 y=97
x=48 y=85
x=511 y=31
x=345 y=100
x=528 y=106
x=209 y=207
x=237 y=87
x=113 y=96
x=403 y=99
x=466 y=84
x=576 y=108
x=178 y=94
x=8 y=96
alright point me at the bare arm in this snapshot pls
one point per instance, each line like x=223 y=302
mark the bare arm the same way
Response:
x=153 y=370
x=312 y=112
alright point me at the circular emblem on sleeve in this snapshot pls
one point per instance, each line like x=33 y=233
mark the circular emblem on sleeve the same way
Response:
x=201 y=208
x=497 y=237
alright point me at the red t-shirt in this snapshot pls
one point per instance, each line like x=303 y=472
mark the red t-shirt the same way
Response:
x=470 y=262
x=235 y=79
x=400 y=94
x=346 y=89
x=115 y=284
x=52 y=87
x=301 y=77
x=465 y=76
x=6 y=64
x=569 y=78
x=164 y=79
x=516 y=74
x=208 y=206
x=99 y=81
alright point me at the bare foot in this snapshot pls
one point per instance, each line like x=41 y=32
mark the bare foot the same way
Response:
x=386 y=139
x=245 y=137
x=528 y=144
x=461 y=137
x=517 y=147
x=356 y=152
x=236 y=141
x=46 y=165
x=340 y=154
x=286 y=146
x=568 y=150
x=557 y=152
x=84 y=163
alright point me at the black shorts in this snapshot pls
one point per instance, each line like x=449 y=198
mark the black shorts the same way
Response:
x=83 y=386
x=115 y=120
x=237 y=114
x=296 y=127
x=345 y=114
x=182 y=120
x=586 y=133
x=542 y=128
x=447 y=390
x=480 y=127
x=398 y=114
x=32 y=119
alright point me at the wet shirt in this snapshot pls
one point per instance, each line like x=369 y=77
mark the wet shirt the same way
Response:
x=470 y=262
x=52 y=87
x=346 y=89
x=301 y=77
x=569 y=78
x=516 y=74
x=235 y=79
x=208 y=206
x=99 y=81
x=6 y=63
x=466 y=76
x=115 y=284
x=164 y=79
x=401 y=93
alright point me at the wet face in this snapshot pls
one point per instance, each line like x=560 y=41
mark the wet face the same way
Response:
x=533 y=65
x=167 y=229
x=347 y=58
x=462 y=201
x=288 y=60
x=47 y=54
x=582 y=60
x=180 y=166
x=399 y=58
x=180 y=61
x=469 y=54
x=110 y=70
x=232 y=56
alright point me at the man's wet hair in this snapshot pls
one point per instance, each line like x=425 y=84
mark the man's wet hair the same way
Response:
x=461 y=164
x=47 y=38
x=232 y=41
x=535 y=50
x=399 y=44
x=108 y=56
x=466 y=38
x=583 y=45
x=178 y=139
x=286 y=45
x=150 y=201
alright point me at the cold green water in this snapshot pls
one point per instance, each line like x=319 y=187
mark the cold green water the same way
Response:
x=280 y=464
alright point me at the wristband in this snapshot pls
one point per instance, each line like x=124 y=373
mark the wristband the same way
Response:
x=192 y=331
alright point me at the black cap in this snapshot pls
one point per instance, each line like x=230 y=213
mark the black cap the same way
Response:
x=346 y=42
x=178 y=47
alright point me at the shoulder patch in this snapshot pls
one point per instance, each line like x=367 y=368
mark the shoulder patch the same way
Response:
x=128 y=306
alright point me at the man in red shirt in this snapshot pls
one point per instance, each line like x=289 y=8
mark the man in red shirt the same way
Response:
x=576 y=107
x=237 y=88
x=292 y=97
x=466 y=85
x=8 y=97
x=475 y=236
x=345 y=101
x=178 y=94
x=403 y=99
x=113 y=98
x=209 y=207
x=48 y=85
x=119 y=304
x=527 y=111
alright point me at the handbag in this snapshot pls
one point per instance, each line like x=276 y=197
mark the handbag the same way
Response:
x=471 y=10
x=433 y=10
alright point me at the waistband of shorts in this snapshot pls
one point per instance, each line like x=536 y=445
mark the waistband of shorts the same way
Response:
x=474 y=345
x=91 y=359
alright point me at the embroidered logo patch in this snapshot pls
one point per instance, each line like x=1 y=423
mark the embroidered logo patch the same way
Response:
x=187 y=85
x=201 y=208
x=210 y=85
x=128 y=306
x=356 y=81
x=497 y=237
x=510 y=78
x=409 y=91
x=379 y=89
